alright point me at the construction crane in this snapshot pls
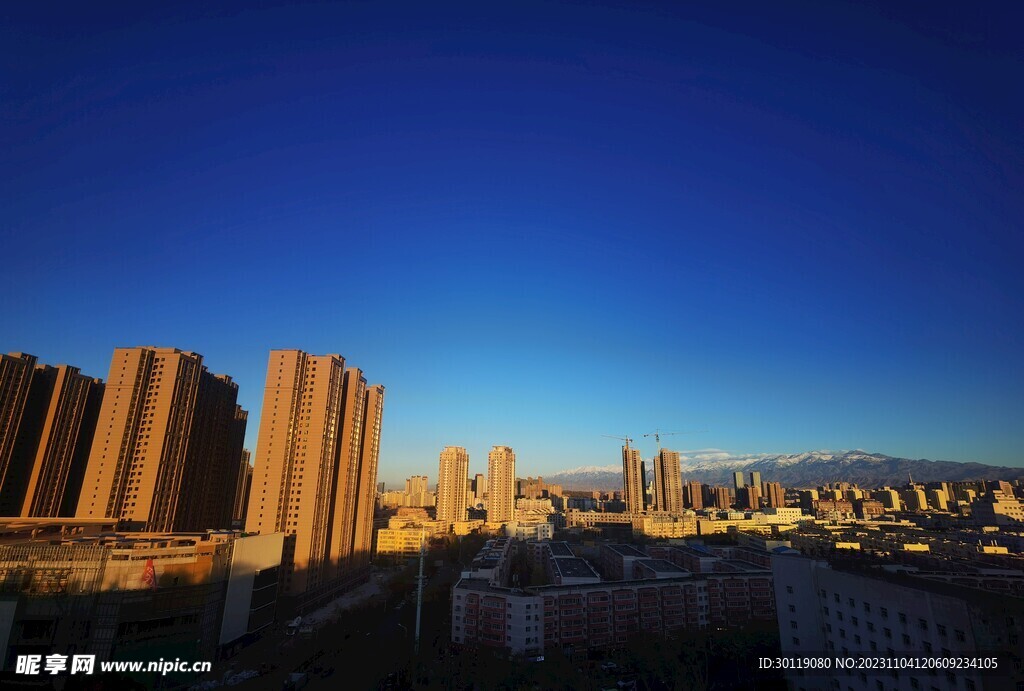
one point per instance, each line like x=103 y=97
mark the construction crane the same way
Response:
x=658 y=434
x=625 y=439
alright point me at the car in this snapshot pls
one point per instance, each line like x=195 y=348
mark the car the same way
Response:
x=609 y=666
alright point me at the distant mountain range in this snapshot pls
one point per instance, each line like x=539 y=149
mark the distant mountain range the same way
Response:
x=808 y=469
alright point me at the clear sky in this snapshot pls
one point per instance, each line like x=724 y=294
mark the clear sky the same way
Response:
x=794 y=225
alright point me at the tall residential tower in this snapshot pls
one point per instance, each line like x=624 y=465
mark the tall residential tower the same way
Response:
x=668 y=482
x=52 y=434
x=452 y=471
x=633 y=480
x=501 y=485
x=165 y=453
x=316 y=467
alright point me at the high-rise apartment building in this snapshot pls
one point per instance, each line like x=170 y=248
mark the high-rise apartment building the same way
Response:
x=243 y=485
x=369 y=457
x=316 y=467
x=346 y=492
x=51 y=440
x=56 y=434
x=755 y=479
x=749 y=498
x=694 y=495
x=668 y=482
x=774 y=495
x=165 y=453
x=479 y=489
x=452 y=471
x=719 y=497
x=16 y=371
x=633 y=480
x=417 y=484
x=501 y=481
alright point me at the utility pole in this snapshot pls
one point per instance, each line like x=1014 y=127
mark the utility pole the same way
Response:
x=419 y=592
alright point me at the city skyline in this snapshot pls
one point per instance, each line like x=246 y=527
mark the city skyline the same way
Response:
x=821 y=232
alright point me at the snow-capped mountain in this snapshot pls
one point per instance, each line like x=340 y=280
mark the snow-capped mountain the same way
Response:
x=808 y=469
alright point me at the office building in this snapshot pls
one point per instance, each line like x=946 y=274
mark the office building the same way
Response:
x=737 y=480
x=501 y=481
x=633 y=480
x=316 y=470
x=668 y=482
x=453 y=469
x=52 y=442
x=164 y=457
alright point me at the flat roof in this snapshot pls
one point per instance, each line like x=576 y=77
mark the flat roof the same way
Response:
x=626 y=550
x=560 y=549
x=574 y=567
x=661 y=566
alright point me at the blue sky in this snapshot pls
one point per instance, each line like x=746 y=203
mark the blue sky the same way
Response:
x=794 y=225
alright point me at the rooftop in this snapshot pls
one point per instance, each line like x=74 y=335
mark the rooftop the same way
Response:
x=661 y=566
x=574 y=567
x=560 y=549
x=626 y=550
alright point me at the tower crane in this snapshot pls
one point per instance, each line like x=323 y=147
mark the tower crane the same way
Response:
x=658 y=434
x=625 y=439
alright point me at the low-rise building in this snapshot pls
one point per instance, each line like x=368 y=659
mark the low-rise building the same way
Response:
x=829 y=609
x=69 y=589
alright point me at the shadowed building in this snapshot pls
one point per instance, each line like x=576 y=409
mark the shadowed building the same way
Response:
x=369 y=456
x=346 y=486
x=65 y=405
x=51 y=440
x=243 y=485
x=16 y=371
